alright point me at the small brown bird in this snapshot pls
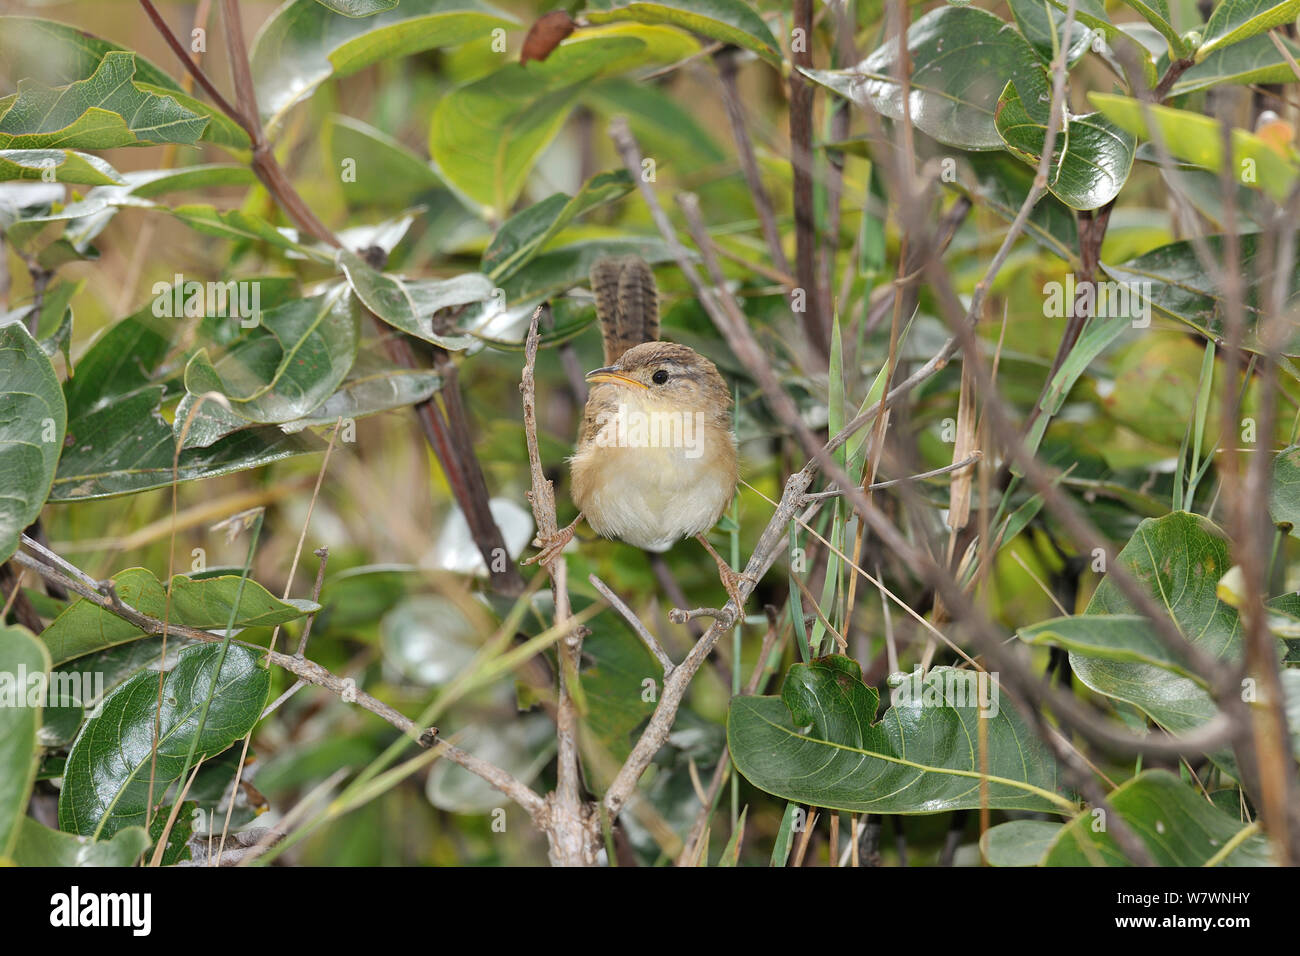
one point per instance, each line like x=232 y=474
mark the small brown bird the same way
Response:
x=656 y=456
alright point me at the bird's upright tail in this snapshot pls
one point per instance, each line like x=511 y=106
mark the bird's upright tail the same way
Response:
x=627 y=303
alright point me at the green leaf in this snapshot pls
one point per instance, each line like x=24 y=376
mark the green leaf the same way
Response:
x=409 y=304
x=1197 y=138
x=486 y=135
x=388 y=174
x=1235 y=20
x=564 y=267
x=358 y=8
x=525 y=233
x=1178 y=560
x=1284 y=490
x=1002 y=183
x=1037 y=28
x=1156 y=13
x=66 y=166
x=157 y=182
x=119 y=362
x=284 y=368
x=1172 y=279
x=1115 y=637
x=104 y=110
x=38 y=845
x=659 y=122
x=58 y=54
x=962 y=59
x=203 y=603
x=615 y=666
x=23 y=662
x=241 y=226
x=730 y=21
x=32 y=422
x=126 y=446
x=1256 y=60
x=371 y=388
x=303 y=44
x=106 y=782
x=1018 y=842
x=817 y=744
x=1092 y=14
x=1091 y=157
x=1178 y=826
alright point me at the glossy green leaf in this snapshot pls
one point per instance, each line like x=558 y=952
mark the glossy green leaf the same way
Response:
x=157 y=182
x=23 y=665
x=1256 y=60
x=731 y=21
x=1178 y=826
x=1018 y=842
x=1156 y=13
x=1284 y=490
x=203 y=603
x=38 y=845
x=410 y=304
x=57 y=54
x=33 y=417
x=387 y=173
x=106 y=782
x=1091 y=157
x=524 y=234
x=1172 y=279
x=1092 y=14
x=1178 y=560
x=65 y=165
x=1111 y=637
x=104 y=110
x=1032 y=16
x=241 y=226
x=372 y=387
x=358 y=8
x=280 y=370
x=303 y=44
x=1235 y=20
x=962 y=59
x=486 y=136
x=1197 y=138
x=615 y=667
x=1001 y=184
x=818 y=743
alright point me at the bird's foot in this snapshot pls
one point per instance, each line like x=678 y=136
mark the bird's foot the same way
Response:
x=553 y=545
x=730 y=579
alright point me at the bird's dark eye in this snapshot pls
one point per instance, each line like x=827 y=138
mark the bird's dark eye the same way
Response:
x=659 y=377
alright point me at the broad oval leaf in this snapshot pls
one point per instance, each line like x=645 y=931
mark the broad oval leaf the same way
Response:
x=38 y=845
x=1091 y=157
x=33 y=418
x=24 y=662
x=1176 y=823
x=730 y=21
x=281 y=370
x=304 y=43
x=1235 y=20
x=523 y=235
x=1018 y=842
x=371 y=388
x=1284 y=490
x=486 y=135
x=1256 y=60
x=66 y=165
x=1172 y=279
x=1032 y=16
x=106 y=782
x=962 y=59
x=57 y=54
x=104 y=110
x=410 y=304
x=204 y=603
x=1198 y=139
x=818 y=743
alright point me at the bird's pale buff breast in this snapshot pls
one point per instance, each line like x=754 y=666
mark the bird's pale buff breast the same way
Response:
x=652 y=496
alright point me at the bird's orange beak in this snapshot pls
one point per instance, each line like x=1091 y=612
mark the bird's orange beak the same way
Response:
x=614 y=376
